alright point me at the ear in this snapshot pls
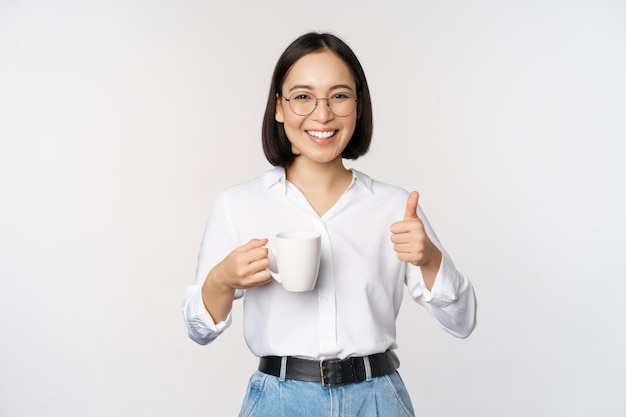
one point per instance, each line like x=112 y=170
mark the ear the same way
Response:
x=278 y=116
x=359 y=109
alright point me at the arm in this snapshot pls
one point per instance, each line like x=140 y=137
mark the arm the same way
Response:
x=245 y=267
x=431 y=277
x=221 y=276
x=451 y=301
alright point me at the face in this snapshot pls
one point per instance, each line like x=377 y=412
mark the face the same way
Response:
x=321 y=136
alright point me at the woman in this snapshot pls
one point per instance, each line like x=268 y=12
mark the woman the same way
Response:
x=328 y=351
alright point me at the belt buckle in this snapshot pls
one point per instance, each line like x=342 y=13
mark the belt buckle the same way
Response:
x=323 y=366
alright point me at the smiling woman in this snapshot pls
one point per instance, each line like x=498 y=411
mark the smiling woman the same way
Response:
x=330 y=348
x=316 y=132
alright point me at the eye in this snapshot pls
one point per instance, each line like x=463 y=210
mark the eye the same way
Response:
x=341 y=96
x=300 y=96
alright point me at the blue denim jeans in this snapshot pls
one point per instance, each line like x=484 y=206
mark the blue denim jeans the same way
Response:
x=268 y=396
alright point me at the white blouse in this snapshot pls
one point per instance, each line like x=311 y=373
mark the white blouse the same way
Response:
x=353 y=309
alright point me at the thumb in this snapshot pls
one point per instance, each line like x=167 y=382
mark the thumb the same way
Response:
x=411 y=206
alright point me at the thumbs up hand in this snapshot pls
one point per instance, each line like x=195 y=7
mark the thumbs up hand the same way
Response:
x=409 y=237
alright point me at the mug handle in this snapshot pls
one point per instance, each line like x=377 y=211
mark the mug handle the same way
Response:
x=275 y=275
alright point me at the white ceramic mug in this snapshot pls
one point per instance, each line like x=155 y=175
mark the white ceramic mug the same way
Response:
x=297 y=256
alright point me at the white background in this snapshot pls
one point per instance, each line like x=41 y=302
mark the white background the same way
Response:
x=120 y=121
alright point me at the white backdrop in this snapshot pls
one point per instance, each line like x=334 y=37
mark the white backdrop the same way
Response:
x=120 y=121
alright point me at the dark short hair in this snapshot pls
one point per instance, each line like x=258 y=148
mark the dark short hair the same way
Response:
x=276 y=146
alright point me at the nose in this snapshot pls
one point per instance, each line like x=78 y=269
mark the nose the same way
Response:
x=322 y=112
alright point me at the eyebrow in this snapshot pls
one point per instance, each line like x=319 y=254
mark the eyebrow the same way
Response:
x=308 y=87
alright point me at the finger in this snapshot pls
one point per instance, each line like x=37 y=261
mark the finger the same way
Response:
x=253 y=244
x=400 y=233
x=411 y=206
x=406 y=226
x=258 y=278
x=260 y=264
x=256 y=252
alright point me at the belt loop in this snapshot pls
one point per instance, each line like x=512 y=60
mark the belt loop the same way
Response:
x=283 y=368
x=368 y=368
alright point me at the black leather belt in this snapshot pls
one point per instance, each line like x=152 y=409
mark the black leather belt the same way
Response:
x=331 y=372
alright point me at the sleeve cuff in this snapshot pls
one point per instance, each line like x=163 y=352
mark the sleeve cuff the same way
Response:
x=445 y=288
x=200 y=325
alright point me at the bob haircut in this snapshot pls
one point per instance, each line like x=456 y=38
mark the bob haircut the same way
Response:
x=276 y=146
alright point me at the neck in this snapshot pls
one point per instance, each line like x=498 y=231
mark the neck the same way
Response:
x=321 y=184
x=307 y=175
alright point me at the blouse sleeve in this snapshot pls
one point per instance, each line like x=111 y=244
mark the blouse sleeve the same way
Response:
x=451 y=300
x=217 y=242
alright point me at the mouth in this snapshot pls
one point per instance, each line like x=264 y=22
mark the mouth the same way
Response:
x=322 y=135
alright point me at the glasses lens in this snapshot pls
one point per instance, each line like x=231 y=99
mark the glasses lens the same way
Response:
x=302 y=104
x=341 y=104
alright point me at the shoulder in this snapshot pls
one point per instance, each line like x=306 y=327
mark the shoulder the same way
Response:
x=380 y=189
x=261 y=182
x=388 y=201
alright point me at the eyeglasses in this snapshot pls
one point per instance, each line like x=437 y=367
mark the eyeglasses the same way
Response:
x=340 y=104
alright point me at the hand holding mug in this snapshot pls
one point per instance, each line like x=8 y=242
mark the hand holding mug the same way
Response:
x=245 y=267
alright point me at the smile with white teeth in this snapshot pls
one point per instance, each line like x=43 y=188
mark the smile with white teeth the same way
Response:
x=321 y=135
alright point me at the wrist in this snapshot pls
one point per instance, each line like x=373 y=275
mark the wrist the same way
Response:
x=434 y=260
x=217 y=298
x=430 y=268
x=213 y=284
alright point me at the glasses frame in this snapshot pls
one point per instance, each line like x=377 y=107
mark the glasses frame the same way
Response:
x=328 y=101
